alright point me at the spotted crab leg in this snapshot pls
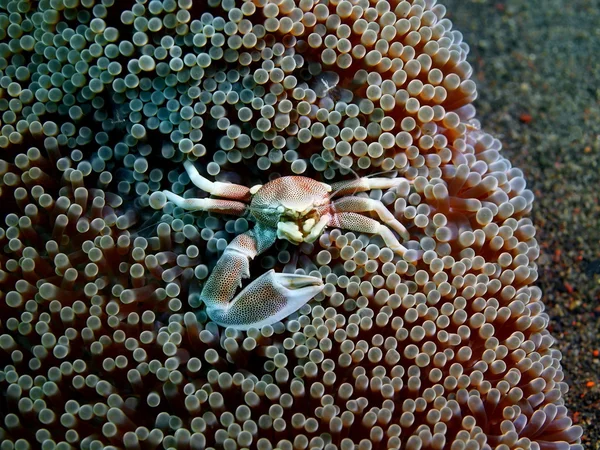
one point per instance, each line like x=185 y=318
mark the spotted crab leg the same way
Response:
x=361 y=204
x=227 y=190
x=208 y=204
x=268 y=299
x=365 y=184
x=357 y=222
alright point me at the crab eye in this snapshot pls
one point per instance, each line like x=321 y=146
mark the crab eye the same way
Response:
x=280 y=209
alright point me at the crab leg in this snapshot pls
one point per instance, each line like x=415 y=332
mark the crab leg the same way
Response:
x=208 y=204
x=356 y=222
x=361 y=204
x=268 y=299
x=364 y=184
x=227 y=190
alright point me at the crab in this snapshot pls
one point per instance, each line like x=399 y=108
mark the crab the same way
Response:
x=294 y=208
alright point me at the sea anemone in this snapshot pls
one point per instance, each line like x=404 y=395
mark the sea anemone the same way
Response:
x=103 y=339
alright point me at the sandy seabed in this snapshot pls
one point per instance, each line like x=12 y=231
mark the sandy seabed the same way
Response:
x=537 y=70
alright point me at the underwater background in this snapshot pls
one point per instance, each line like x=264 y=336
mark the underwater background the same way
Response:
x=538 y=75
x=103 y=337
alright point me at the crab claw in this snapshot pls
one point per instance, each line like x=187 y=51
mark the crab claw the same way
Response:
x=268 y=299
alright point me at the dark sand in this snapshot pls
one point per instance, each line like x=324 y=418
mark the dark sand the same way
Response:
x=537 y=67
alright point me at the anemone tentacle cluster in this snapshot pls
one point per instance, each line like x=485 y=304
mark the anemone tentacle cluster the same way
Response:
x=104 y=342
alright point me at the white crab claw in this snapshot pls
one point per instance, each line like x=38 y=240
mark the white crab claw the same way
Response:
x=294 y=285
x=308 y=224
x=268 y=299
x=317 y=229
x=289 y=231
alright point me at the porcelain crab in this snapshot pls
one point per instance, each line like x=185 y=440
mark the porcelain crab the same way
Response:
x=295 y=208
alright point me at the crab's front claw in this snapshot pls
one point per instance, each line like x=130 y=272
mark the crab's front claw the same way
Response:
x=268 y=299
x=289 y=231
